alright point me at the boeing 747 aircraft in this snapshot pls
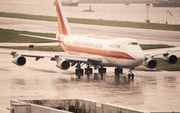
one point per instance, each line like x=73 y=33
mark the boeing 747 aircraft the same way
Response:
x=98 y=53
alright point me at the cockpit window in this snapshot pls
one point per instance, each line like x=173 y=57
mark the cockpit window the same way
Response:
x=133 y=43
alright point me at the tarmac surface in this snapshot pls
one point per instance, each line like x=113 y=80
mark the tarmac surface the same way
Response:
x=150 y=91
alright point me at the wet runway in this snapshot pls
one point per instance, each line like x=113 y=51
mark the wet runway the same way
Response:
x=149 y=91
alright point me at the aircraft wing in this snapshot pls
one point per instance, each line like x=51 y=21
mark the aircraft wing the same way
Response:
x=157 y=52
x=53 y=56
x=70 y=58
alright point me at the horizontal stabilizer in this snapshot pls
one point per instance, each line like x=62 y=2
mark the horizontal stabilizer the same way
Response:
x=40 y=37
x=88 y=35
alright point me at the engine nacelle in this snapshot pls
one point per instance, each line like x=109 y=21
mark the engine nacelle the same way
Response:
x=19 y=60
x=150 y=63
x=171 y=59
x=63 y=64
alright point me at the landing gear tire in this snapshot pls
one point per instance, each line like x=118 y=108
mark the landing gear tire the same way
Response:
x=79 y=71
x=88 y=70
x=131 y=76
x=118 y=71
x=102 y=70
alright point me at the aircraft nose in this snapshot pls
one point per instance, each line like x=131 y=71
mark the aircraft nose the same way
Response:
x=139 y=58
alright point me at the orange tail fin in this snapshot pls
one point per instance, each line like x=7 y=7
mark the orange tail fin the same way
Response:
x=62 y=20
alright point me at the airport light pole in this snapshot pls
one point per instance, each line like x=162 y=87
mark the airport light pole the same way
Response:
x=147 y=20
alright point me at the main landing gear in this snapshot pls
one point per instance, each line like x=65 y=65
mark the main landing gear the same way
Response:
x=80 y=71
x=88 y=70
x=118 y=71
x=101 y=70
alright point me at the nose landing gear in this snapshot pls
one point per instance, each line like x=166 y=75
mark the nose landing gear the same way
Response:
x=131 y=75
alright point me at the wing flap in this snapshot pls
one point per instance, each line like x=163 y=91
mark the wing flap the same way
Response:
x=77 y=58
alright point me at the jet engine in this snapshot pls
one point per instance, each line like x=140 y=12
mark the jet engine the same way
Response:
x=171 y=59
x=150 y=63
x=63 y=64
x=19 y=60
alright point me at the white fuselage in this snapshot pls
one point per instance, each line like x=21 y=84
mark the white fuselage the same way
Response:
x=121 y=52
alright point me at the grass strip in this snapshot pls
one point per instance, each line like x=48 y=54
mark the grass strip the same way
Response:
x=161 y=65
x=13 y=36
x=58 y=48
x=36 y=48
x=126 y=24
x=96 y=22
x=28 y=16
x=154 y=46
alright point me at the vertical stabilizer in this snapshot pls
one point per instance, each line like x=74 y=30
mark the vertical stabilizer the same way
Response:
x=62 y=20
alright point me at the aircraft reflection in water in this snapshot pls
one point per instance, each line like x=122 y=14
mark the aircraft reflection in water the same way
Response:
x=119 y=79
x=94 y=76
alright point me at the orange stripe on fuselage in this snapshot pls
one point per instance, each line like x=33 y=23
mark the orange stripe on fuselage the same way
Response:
x=94 y=51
